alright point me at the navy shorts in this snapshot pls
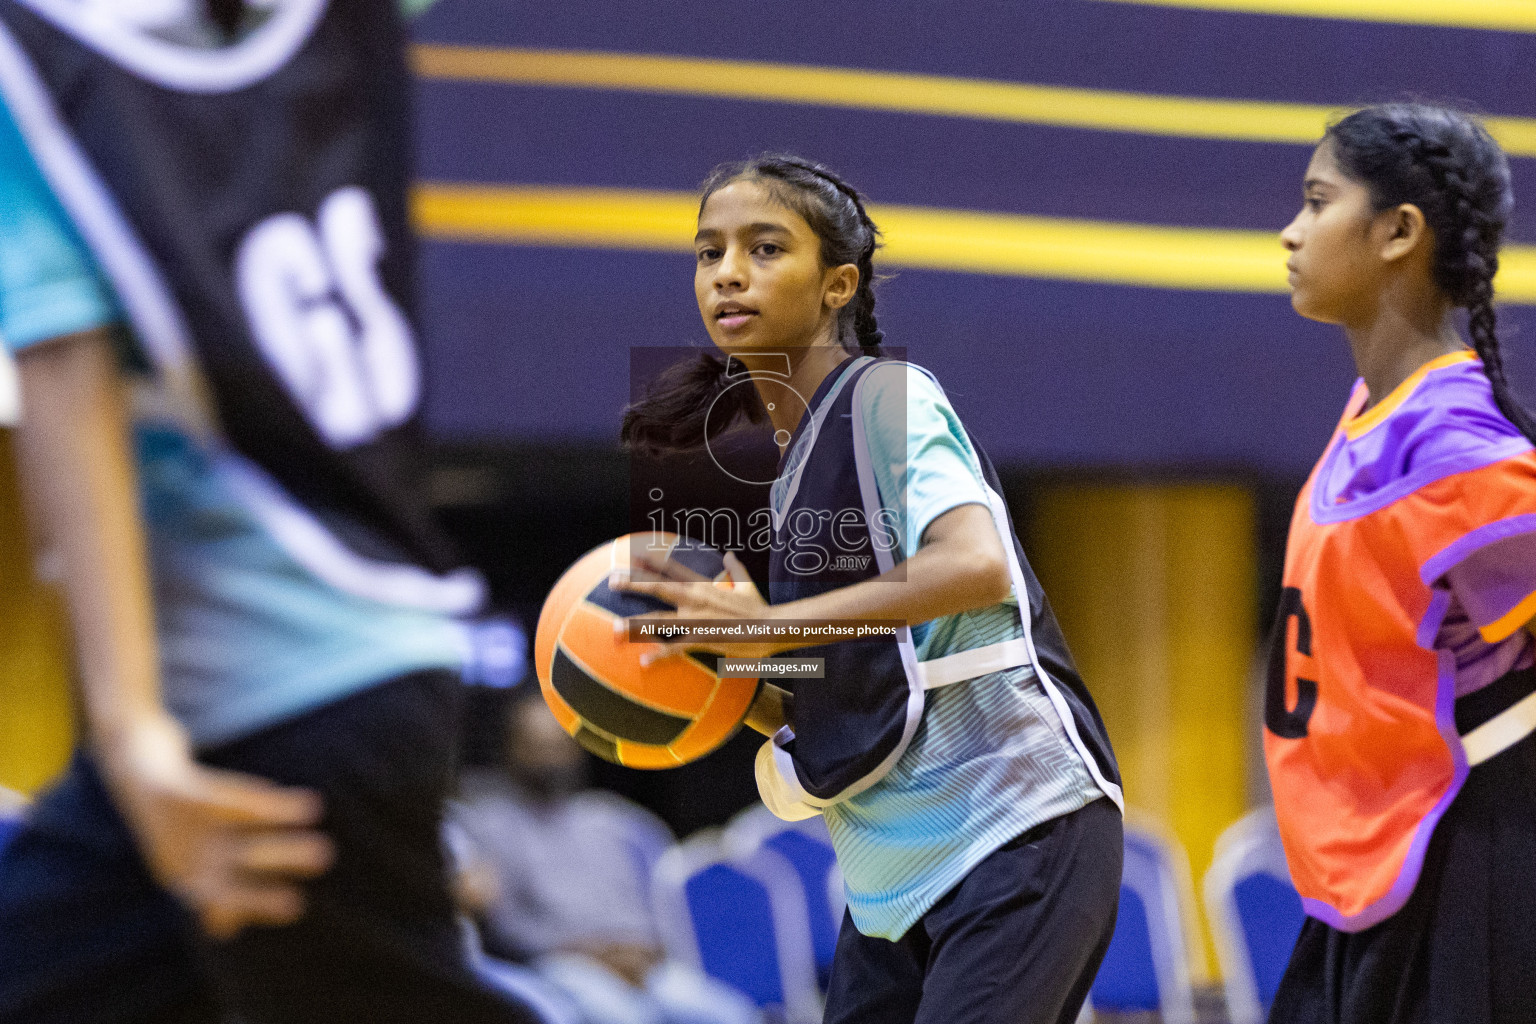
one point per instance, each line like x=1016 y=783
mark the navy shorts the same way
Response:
x=1018 y=941
x=87 y=937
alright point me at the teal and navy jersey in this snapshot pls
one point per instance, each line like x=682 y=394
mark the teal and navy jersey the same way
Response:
x=247 y=635
x=990 y=758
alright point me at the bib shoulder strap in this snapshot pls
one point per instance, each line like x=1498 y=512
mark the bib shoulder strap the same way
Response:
x=978 y=661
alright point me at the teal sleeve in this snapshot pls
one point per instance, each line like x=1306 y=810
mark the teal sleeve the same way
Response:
x=923 y=463
x=49 y=283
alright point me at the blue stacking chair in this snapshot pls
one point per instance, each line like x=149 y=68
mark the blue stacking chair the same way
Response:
x=523 y=984
x=12 y=806
x=739 y=919
x=1146 y=968
x=9 y=826
x=808 y=848
x=1255 y=913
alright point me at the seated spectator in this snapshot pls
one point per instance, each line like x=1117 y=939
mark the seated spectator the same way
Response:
x=563 y=891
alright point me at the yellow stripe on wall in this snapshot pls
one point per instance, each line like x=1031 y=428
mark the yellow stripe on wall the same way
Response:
x=1507 y=15
x=917 y=237
x=900 y=92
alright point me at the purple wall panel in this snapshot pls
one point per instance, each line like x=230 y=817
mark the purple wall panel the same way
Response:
x=1063 y=42
x=531 y=343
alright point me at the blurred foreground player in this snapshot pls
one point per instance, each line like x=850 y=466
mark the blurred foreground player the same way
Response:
x=202 y=216
x=1402 y=693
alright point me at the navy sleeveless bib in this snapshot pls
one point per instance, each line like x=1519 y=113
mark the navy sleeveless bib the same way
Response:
x=850 y=727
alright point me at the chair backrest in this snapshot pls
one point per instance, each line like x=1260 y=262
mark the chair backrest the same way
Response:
x=12 y=806
x=8 y=829
x=1255 y=913
x=645 y=836
x=10 y=390
x=1146 y=967
x=739 y=919
x=808 y=848
x=524 y=984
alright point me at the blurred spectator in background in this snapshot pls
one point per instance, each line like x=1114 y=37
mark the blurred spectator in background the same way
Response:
x=561 y=874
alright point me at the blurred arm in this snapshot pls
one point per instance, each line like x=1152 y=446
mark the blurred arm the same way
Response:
x=78 y=472
x=224 y=842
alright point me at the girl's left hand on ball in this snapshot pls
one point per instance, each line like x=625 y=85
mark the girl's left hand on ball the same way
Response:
x=731 y=596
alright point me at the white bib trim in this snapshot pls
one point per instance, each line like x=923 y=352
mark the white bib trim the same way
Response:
x=1501 y=732
x=186 y=68
x=807 y=442
x=978 y=661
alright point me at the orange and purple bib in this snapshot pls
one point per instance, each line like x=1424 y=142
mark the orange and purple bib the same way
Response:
x=1410 y=570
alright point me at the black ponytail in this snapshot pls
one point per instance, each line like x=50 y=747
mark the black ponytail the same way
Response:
x=687 y=405
x=1445 y=163
x=693 y=403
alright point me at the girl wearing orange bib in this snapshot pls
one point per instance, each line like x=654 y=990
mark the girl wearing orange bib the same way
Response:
x=1402 y=689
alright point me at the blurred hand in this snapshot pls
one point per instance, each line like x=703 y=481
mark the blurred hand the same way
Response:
x=234 y=847
x=475 y=887
x=630 y=961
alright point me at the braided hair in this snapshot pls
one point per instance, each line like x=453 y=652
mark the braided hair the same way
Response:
x=1444 y=162
x=673 y=414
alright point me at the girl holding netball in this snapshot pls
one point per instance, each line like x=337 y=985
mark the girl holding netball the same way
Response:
x=960 y=765
x=1400 y=700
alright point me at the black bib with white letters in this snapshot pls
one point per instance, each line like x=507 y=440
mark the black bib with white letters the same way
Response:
x=263 y=186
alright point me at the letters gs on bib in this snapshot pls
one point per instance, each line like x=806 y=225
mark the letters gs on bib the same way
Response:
x=320 y=315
